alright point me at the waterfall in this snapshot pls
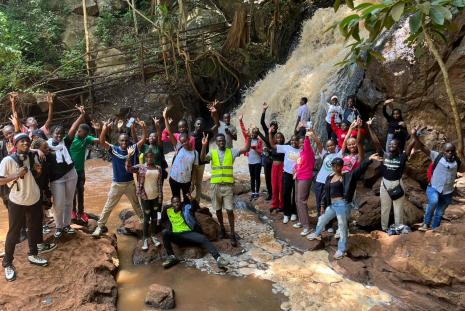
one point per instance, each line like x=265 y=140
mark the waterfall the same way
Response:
x=308 y=71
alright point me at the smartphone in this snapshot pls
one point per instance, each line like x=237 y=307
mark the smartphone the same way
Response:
x=130 y=122
x=309 y=125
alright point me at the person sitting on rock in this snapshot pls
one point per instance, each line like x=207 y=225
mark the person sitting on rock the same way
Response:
x=182 y=233
x=31 y=122
x=222 y=180
x=392 y=190
x=123 y=181
x=291 y=154
x=149 y=190
x=254 y=158
x=224 y=127
x=442 y=174
x=23 y=204
x=338 y=193
x=396 y=125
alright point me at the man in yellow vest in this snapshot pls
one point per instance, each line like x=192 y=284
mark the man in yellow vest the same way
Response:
x=222 y=179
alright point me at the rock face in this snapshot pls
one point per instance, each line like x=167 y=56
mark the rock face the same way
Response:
x=159 y=296
x=80 y=276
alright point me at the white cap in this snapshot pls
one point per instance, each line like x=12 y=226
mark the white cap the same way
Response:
x=333 y=97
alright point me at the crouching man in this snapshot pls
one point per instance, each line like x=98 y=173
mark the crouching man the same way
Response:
x=182 y=223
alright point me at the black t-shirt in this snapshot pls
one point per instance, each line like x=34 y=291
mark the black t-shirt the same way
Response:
x=58 y=170
x=393 y=167
x=198 y=143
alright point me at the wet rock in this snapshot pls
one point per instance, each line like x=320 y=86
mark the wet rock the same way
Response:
x=80 y=276
x=132 y=226
x=159 y=296
x=126 y=214
x=156 y=254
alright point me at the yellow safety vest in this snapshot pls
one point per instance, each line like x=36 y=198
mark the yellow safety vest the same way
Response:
x=222 y=173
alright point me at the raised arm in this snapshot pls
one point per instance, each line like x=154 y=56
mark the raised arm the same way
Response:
x=373 y=136
x=420 y=145
x=129 y=167
x=168 y=127
x=75 y=125
x=262 y=118
x=105 y=127
x=351 y=128
x=214 y=115
x=143 y=138
x=246 y=148
x=316 y=139
x=408 y=149
x=156 y=122
x=360 y=147
x=203 y=152
x=241 y=124
x=385 y=113
x=334 y=126
x=50 y=111
x=97 y=126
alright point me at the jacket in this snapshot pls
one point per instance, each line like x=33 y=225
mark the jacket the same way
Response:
x=349 y=181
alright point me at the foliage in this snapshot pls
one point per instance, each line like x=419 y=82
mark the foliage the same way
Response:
x=72 y=62
x=30 y=40
x=435 y=17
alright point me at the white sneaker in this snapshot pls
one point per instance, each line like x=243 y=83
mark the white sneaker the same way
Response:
x=312 y=236
x=297 y=225
x=145 y=246
x=293 y=217
x=305 y=232
x=97 y=232
x=36 y=260
x=285 y=219
x=10 y=273
x=155 y=241
x=338 y=234
x=330 y=230
x=338 y=255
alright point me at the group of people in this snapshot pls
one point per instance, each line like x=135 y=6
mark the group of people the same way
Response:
x=37 y=172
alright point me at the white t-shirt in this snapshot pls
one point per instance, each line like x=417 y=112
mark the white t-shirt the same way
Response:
x=181 y=170
x=254 y=157
x=326 y=167
x=151 y=184
x=291 y=155
x=29 y=192
x=303 y=113
x=333 y=108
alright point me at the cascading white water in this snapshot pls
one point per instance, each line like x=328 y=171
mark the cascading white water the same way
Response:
x=308 y=71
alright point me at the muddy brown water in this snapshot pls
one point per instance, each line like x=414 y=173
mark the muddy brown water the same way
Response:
x=194 y=289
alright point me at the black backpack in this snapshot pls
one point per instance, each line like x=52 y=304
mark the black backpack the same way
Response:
x=5 y=189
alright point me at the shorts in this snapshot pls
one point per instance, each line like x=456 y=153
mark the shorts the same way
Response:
x=222 y=196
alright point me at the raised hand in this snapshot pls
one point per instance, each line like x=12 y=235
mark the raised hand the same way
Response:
x=205 y=139
x=388 y=101
x=370 y=121
x=107 y=123
x=156 y=121
x=50 y=98
x=170 y=120
x=265 y=106
x=354 y=124
x=96 y=125
x=140 y=122
x=270 y=130
x=165 y=112
x=120 y=124
x=13 y=96
x=131 y=151
x=80 y=109
x=215 y=103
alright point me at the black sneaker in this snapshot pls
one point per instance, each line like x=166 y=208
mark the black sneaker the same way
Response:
x=69 y=230
x=268 y=198
x=170 y=261
x=46 y=247
x=10 y=273
x=233 y=241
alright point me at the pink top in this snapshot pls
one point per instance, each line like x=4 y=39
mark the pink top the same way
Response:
x=305 y=162
x=351 y=162
x=166 y=138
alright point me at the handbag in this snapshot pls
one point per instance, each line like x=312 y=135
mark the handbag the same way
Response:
x=395 y=193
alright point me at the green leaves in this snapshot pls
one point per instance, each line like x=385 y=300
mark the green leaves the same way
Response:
x=415 y=21
x=437 y=15
x=397 y=10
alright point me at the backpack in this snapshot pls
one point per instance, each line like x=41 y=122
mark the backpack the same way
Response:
x=433 y=164
x=5 y=189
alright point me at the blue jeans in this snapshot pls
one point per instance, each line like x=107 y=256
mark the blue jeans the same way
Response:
x=437 y=204
x=341 y=210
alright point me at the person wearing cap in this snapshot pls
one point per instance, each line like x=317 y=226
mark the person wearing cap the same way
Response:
x=332 y=108
x=35 y=134
x=23 y=203
x=338 y=193
x=78 y=152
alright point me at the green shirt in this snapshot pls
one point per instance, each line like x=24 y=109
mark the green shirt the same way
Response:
x=157 y=151
x=78 y=151
x=178 y=224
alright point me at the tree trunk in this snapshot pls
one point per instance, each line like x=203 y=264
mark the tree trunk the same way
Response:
x=88 y=56
x=450 y=94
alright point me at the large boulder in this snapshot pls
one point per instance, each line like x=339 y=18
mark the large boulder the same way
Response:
x=160 y=297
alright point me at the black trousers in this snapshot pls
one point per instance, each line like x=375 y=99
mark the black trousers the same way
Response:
x=150 y=208
x=319 y=187
x=255 y=171
x=187 y=238
x=268 y=165
x=17 y=216
x=330 y=133
x=176 y=188
x=289 y=195
x=78 y=200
